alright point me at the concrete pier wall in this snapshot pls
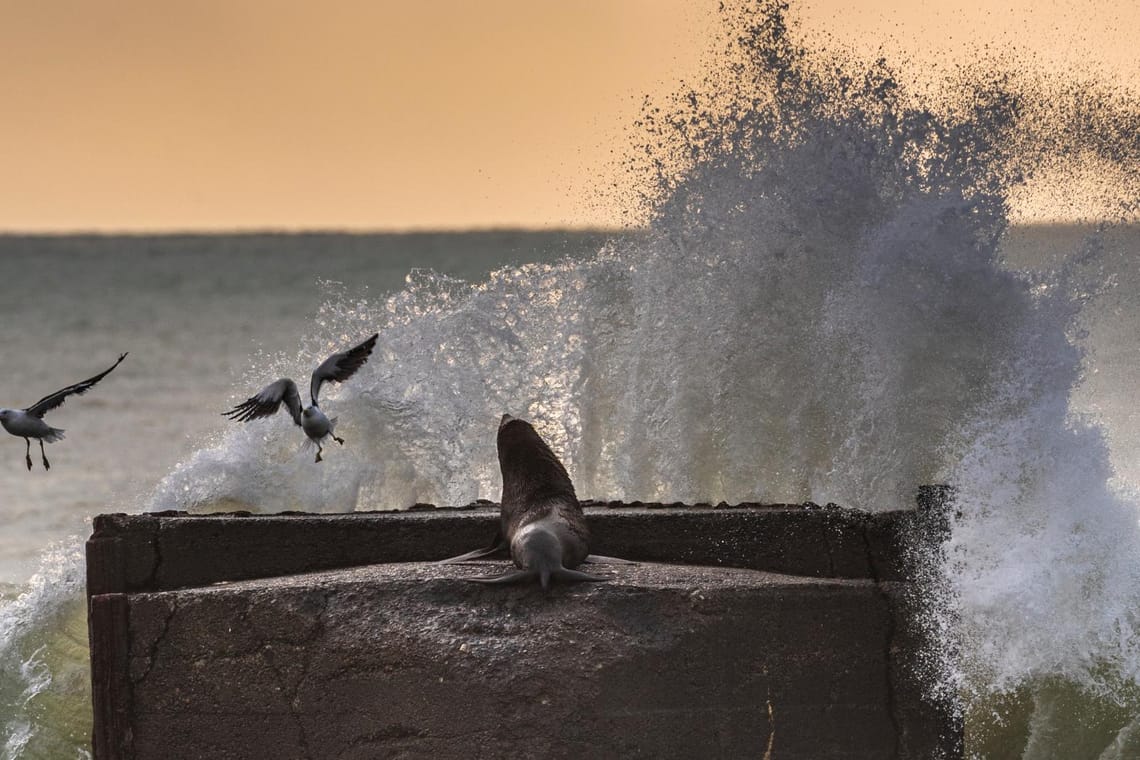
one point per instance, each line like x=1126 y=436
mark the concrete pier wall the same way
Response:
x=756 y=631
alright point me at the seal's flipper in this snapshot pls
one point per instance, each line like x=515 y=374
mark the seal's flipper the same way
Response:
x=544 y=578
x=517 y=576
x=566 y=574
x=476 y=554
x=497 y=545
x=601 y=559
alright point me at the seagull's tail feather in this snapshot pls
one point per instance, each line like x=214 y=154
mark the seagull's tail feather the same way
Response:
x=332 y=423
x=54 y=434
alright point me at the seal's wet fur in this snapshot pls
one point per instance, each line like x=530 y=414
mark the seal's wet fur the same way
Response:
x=541 y=521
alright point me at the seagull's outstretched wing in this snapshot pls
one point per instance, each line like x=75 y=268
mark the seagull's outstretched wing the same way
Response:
x=266 y=403
x=47 y=403
x=340 y=367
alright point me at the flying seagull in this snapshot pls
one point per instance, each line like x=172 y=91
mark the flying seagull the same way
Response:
x=29 y=423
x=337 y=368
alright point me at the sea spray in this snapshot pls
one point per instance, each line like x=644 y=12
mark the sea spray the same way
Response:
x=935 y=359
x=821 y=309
x=45 y=690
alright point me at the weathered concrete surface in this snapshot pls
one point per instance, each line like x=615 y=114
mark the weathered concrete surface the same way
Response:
x=404 y=659
x=168 y=550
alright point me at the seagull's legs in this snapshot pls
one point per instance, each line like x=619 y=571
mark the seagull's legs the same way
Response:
x=338 y=440
x=28 y=452
x=318 y=452
x=47 y=465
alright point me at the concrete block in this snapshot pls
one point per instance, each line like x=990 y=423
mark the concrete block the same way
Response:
x=709 y=655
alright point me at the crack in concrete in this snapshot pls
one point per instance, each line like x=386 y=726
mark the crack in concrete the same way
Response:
x=158 y=558
x=152 y=653
x=892 y=701
x=771 y=728
x=290 y=698
x=830 y=542
x=292 y=695
x=888 y=661
x=151 y=582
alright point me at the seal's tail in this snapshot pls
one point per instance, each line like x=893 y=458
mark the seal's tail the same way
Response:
x=539 y=552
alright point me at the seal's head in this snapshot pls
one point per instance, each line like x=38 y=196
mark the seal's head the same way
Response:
x=529 y=468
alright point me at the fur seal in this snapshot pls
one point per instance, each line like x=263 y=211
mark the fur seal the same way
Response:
x=541 y=521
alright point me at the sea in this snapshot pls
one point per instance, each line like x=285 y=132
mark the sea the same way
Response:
x=845 y=288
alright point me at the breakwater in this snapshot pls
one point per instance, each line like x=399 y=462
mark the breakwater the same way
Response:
x=778 y=631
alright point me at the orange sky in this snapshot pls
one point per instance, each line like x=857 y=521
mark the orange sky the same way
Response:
x=224 y=114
